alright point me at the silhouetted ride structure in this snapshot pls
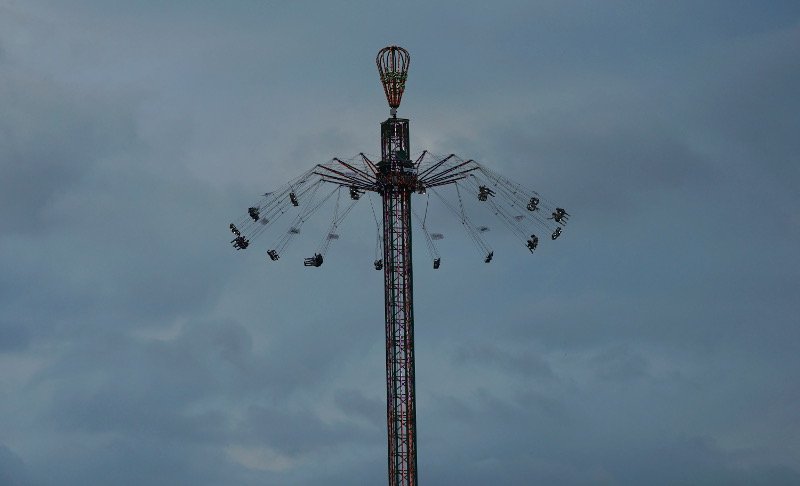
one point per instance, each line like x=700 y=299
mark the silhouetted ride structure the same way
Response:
x=459 y=185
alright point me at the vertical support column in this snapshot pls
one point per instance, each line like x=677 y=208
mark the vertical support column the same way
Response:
x=398 y=178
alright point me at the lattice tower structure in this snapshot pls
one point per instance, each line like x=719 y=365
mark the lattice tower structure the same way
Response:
x=397 y=179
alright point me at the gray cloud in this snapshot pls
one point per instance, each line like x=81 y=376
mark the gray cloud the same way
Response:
x=653 y=344
x=525 y=363
x=12 y=470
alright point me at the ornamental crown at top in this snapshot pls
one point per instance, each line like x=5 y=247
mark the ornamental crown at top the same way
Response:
x=393 y=62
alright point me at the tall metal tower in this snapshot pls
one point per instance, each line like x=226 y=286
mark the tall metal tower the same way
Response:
x=394 y=179
x=397 y=179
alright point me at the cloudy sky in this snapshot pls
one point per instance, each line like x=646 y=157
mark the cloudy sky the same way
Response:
x=656 y=342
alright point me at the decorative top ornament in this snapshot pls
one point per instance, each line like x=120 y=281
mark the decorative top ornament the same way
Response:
x=393 y=62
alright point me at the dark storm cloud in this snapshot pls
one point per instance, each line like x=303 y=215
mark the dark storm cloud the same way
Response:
x=354 y=403
x=654 y=344
x=299 y=431
x=568 y=445
x=146 y=387
x=525 y=363
x=51 y=137
x=620 y=363
x=12 y=470
x=111 y=262
x=132 y=461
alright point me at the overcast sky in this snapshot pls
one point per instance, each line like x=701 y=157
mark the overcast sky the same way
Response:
x=656 y=342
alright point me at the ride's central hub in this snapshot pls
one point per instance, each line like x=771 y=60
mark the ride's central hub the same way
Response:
x=395 y=144
x=399 y=180
x=396 y=168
